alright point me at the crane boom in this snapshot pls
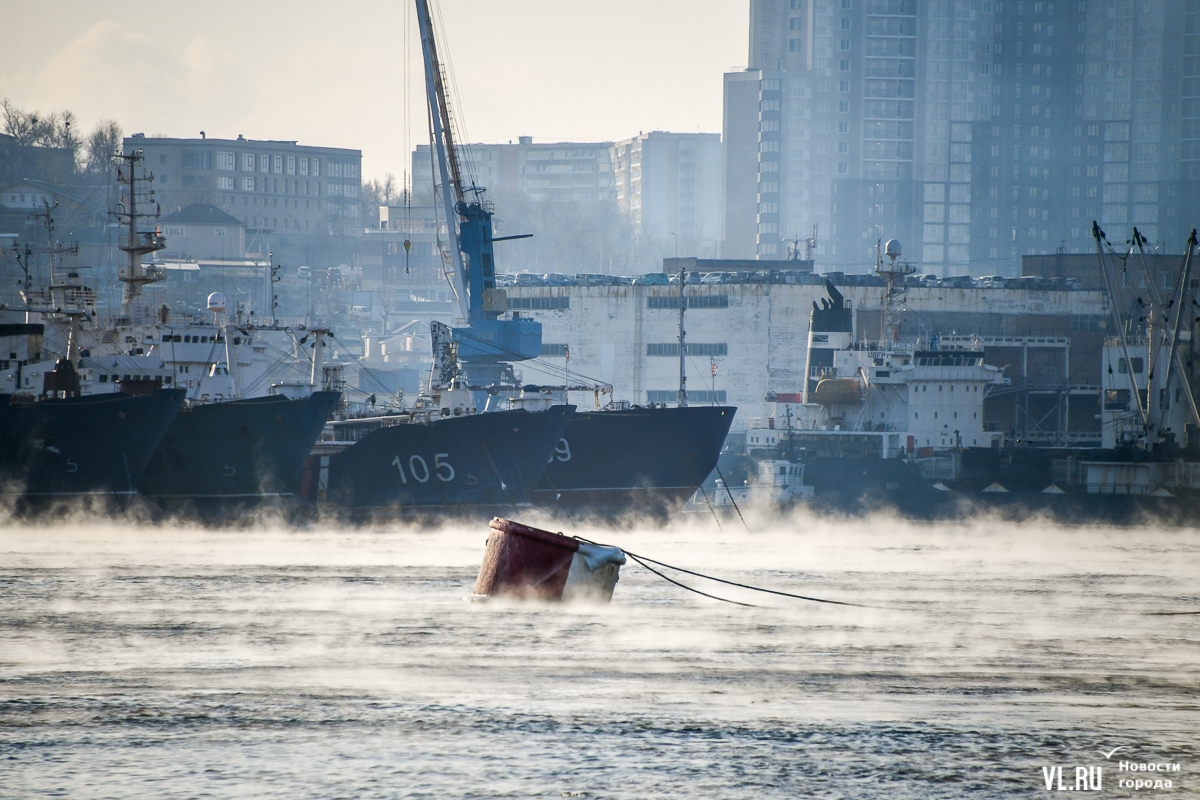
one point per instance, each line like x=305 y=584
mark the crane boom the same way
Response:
x=447 y=156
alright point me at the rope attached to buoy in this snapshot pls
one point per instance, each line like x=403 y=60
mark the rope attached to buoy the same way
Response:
x=640 y=559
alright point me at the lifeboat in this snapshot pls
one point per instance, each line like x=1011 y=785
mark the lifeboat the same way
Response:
x=837 y=392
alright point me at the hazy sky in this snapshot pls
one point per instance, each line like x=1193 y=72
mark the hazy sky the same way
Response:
x=333 y=74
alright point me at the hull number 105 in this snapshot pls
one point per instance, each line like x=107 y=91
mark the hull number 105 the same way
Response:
x=418 y=468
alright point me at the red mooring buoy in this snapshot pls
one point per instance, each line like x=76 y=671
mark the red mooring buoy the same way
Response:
x=528 y=563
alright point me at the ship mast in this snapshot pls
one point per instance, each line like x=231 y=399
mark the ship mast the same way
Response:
x=893 y=294
x=446 y=152
x=137 y=243
x=682 y=343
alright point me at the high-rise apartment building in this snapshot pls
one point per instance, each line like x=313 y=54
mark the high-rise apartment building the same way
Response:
x=668 y=185
x=973 y=130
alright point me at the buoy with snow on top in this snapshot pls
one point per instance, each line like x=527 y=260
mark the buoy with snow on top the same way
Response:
x=528 y=563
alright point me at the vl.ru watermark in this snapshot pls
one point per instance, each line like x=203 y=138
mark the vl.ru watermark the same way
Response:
x=1135 y=775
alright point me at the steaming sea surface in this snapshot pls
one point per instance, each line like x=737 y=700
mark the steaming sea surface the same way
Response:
x=175 y=662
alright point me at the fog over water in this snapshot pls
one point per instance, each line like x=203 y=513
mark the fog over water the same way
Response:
x=168 y=661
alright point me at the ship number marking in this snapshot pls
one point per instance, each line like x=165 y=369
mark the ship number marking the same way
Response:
x=562 y=451
x=419 y=468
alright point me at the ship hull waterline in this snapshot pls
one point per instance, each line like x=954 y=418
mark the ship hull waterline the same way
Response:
x=83 y=451
x=636 y=462
x=471 y=466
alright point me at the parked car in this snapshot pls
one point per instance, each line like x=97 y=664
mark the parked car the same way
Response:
x=622 y=280
x=712 y=278
x=652 y=279
x=504 y=280
x=303 y=272
x=558 y=279
x=693 y=277
x=592 y=279
x=529 y=279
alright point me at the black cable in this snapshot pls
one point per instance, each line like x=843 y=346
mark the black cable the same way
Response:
x=683 y=586
x=735 y=505
x=716 y=519
x=639 y=559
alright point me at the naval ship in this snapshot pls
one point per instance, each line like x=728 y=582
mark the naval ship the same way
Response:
x=605 y=461
x=226 y=448
x=60 y=449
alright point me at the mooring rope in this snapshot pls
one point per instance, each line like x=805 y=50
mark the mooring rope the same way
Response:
x=642 y=559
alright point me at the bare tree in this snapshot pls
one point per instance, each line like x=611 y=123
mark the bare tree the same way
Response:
x=102 y=144
x=376 y=193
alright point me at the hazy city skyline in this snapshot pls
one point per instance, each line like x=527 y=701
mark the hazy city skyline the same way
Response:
x=529 y=67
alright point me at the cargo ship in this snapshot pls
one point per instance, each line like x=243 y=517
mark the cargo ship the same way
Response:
x=892 y=425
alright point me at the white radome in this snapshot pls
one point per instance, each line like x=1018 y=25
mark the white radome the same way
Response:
x=216 y=302
x=892 y=248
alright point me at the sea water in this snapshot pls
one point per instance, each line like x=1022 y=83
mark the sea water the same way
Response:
x=176 y=662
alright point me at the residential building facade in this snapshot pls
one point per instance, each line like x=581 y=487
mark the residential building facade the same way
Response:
x=668 y=185
x=975 y=131
x=276 y=187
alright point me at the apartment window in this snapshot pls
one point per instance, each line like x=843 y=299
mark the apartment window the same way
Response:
x=796 y=24
x=843 y=86
x=335 y=169
x=303 y=166
x=226 y=160
x=843 y=127
x=554 y=350
x=844 y=65
x=225 y=183
x=845 y=24
x=248 y=183
x=797 y=3
x=843 y=106
x=794 y=45
x=316 y=169
x=844 y=45
x=247 y=162
x=278 y=165
x=291 y=165
x=843 y=147
x=264 y=163
x=843 y=168
x=197 y=159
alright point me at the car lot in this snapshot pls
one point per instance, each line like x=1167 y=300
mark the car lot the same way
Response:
x=786 y=277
